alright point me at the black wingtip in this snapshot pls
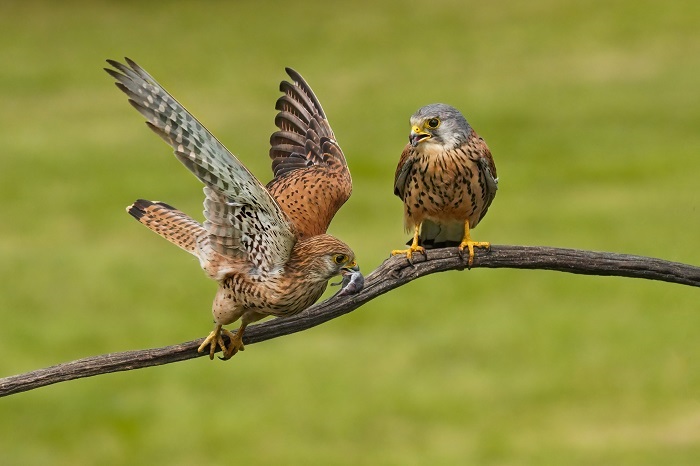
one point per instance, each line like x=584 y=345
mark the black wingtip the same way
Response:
x=296 y=77
x=134 y=66
x=131 y=66
x=300 y=82
x=113 y=73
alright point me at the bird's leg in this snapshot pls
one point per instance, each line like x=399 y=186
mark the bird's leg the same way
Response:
x=413 y=248
x=469 y=244
x=213 y=340
x=236 y=343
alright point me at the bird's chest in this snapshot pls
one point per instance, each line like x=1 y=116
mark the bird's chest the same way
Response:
x=276 y=294
x=249 y=291
x=441 y=184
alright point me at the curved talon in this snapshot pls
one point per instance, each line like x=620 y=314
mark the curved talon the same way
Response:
x=413 y=248
x=470 y=245
x=409 y=252
x=212 y=340
x=216 y=338
x=235 y=344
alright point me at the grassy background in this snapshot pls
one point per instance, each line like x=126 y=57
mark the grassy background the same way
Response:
x=591 y=109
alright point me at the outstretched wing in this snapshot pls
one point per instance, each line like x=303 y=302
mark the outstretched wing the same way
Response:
x=312 y=180
x=242 y=219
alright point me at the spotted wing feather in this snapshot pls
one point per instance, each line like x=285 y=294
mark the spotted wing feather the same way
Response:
x=312 y=180
x=242 y=218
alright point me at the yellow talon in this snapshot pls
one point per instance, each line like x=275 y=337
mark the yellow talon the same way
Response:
x=413 y=248
x=235 y=344
x=215 y=339
x=409 y=252
x=470 y=245
x=212 y=341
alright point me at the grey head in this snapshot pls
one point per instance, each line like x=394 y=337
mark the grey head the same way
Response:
x=439 y=125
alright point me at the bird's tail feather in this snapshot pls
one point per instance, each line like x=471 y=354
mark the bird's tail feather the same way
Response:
x=168 y=222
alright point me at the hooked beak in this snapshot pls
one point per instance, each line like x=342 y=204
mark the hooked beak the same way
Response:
x=350 y=268
x=418 y=135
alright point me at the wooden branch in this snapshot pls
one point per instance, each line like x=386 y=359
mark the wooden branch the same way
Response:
x=392 y=273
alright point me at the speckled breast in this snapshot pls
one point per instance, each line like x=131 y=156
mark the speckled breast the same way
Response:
x=277 y=296
x=445 y=186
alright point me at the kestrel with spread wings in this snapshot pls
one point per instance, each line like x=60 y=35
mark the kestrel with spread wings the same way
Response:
x=446 y=179
x=267 y=247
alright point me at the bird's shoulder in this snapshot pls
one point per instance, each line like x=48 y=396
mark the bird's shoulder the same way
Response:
x=479 y=151
x=406 y=160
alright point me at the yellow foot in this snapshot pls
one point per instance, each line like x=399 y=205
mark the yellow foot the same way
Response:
x=215 y=340
x=409 y=252
x=212 y=341
x=235 y=345
x=470 y=245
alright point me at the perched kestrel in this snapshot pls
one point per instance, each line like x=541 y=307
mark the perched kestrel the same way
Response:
x=446 y=179
x=266 y=247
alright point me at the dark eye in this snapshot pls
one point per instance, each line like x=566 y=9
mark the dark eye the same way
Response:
x=340 y=258
x=433 y=123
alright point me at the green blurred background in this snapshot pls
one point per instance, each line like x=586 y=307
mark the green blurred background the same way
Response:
x=592 y=112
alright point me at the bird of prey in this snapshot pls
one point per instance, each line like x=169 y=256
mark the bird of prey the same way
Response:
x=266 y=246
x=446 y=179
